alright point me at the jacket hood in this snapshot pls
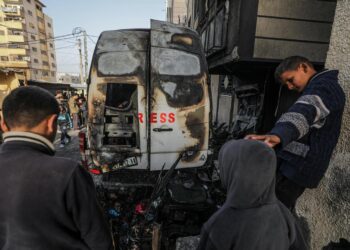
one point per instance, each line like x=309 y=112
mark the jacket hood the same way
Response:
x=247 y=171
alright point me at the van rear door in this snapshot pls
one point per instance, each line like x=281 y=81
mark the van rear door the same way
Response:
x=178 y=99
x=117 y=95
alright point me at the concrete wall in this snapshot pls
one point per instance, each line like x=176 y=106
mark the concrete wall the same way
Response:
x=326 y=210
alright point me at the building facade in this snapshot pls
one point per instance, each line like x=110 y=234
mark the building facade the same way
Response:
x=27 y=50
x=177 y=11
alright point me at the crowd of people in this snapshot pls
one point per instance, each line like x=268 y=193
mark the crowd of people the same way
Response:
x=73 y=113
x=49 y=202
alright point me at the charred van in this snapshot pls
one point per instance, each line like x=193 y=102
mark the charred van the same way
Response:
x=147 y=138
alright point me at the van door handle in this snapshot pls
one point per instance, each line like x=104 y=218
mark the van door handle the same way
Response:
x=162 y=129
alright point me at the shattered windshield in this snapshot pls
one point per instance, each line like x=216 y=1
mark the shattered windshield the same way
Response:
x=182 y=92
x=121 y=97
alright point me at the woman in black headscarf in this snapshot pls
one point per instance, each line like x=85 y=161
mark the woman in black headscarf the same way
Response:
x=251 y=217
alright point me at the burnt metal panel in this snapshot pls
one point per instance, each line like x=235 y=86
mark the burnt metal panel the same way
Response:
x=123 y=40
x=167 y=35
x=178 y=86
x=114 y=132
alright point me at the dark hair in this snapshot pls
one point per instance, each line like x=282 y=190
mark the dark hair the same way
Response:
x=290 y=63
x=28 y=106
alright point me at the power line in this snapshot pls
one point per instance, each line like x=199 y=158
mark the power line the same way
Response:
x=91 y=39
x=70 y=46
x=57 y=38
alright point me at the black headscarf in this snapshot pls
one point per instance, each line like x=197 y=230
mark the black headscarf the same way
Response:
x=251 y=217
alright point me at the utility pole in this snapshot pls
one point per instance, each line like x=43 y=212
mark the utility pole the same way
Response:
x=85 y=56
x=81 y=61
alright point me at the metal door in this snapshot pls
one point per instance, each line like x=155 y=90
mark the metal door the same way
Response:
x=178 y=98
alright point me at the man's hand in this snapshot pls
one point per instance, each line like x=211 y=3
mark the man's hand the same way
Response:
x=270 y=140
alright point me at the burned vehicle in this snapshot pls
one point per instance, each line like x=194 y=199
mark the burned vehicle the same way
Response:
x=147 y=138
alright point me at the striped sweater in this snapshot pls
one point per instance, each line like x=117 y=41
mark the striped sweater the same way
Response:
x=309 y=131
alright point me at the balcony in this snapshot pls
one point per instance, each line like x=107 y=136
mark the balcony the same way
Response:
x=44 y=57
x=45 y=67
x=16 y=38
x=19 y=51
x=13 y=1
x=14 y=24
x=41 y=27
x=14 y=64
x=13 y=11
x=43 y=46
x=39 y=14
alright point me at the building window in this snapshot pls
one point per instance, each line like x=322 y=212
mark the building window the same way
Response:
x=43 y=52
x=4 y=58
x=14 y=18
x=32 y=37
x=36 y=60
x=29 y=1
x=15 y=32
x=38 y=7
x=53 y=74
x=53 y=65
x=16 y=58
x=45 y=63
x=36 y=72
x=42 y=41
x=40 y=19
x=31 y=25
x=2 y=32
x=45 y=73
x=52 y=56
x=30 y=13
x=49 y=25
x=51 y=45
x=14 y=46
x=34 y=49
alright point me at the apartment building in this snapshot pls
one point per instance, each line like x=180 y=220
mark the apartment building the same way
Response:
x=68 y=78
x=27 y=50
x=177 y=11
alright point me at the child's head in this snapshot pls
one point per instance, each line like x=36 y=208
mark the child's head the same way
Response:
x=62 y=109
x=247 y=171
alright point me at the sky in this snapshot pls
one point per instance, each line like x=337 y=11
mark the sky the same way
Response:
x=94 y=17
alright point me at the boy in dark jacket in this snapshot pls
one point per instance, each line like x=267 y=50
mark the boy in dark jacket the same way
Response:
x=306 y=135
x=46 y=202
x=251 y=217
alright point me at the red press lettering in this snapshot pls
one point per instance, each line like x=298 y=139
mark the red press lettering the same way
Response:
x=171 y=118
x=153 y=118
x=140 y=117
x=162 y=117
